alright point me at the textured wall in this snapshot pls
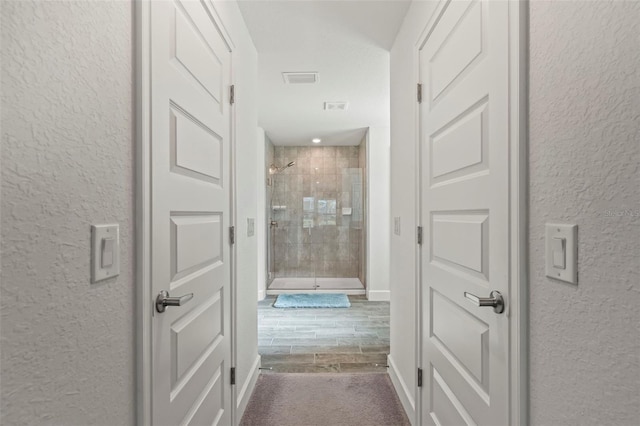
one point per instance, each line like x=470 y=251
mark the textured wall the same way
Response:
x=315 y=239
x=67 y=162
x=584 y=169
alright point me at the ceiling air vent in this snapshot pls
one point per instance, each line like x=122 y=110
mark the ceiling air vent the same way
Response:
x=336 y=106
x=300 y=77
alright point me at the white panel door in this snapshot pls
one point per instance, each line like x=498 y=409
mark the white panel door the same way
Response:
x=464 y=119
x=190 y=204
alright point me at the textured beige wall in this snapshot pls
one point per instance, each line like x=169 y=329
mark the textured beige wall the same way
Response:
x=67 y=162
x=584 y=169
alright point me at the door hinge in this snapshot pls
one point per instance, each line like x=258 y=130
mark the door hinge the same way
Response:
x=419 y=377
x=419 y=93
x=232 y=234
x=420 y=235
x=233 y=375
x=232 y=94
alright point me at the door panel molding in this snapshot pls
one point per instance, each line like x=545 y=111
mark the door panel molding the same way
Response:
x=447 y=175
x=191 y=168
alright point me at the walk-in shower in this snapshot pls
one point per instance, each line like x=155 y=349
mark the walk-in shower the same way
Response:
x=316 y=219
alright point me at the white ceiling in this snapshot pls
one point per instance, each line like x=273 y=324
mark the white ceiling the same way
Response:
x=346 y=42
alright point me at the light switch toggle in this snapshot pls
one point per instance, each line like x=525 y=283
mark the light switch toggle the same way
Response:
x=107 y=252
x=559 y=250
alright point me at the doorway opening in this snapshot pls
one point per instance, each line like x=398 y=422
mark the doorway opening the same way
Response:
x=316 y=221
x=324 y=106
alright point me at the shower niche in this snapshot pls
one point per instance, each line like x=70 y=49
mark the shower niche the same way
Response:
x=316 y=219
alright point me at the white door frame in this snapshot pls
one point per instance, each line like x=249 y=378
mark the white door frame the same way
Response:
x=144 y=298
x=519 y=133
x=518 y=173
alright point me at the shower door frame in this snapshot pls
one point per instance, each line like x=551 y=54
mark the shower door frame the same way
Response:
x=272 y=184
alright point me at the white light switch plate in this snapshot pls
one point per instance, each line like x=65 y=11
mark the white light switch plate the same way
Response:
x=559 y=238
x=251 y=227
x=105 y=250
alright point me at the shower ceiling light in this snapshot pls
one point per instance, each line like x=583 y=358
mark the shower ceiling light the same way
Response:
x=316 y=140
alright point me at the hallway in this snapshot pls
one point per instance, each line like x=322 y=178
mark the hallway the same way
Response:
x=84 y=100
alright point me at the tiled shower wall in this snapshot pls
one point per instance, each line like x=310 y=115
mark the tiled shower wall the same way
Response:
x=318 y=206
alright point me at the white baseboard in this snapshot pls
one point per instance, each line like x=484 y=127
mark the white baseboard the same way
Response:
x=247 y=388
x=379 y=295
x=404 y=393
x=261 y=294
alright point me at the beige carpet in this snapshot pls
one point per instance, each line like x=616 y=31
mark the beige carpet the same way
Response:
x=340 y=399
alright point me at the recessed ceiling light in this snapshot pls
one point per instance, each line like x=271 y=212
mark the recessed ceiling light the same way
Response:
x=316 y=140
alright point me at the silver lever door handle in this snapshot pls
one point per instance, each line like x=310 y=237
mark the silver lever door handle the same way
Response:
x=163 y=300
x=496 y=301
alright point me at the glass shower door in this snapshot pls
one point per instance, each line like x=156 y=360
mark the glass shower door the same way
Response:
x=317 y=215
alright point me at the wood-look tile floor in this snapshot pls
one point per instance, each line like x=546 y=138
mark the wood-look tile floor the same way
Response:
x=354 y=339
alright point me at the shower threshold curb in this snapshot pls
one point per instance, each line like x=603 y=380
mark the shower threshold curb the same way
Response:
x=350 y=292
x=297 y=285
